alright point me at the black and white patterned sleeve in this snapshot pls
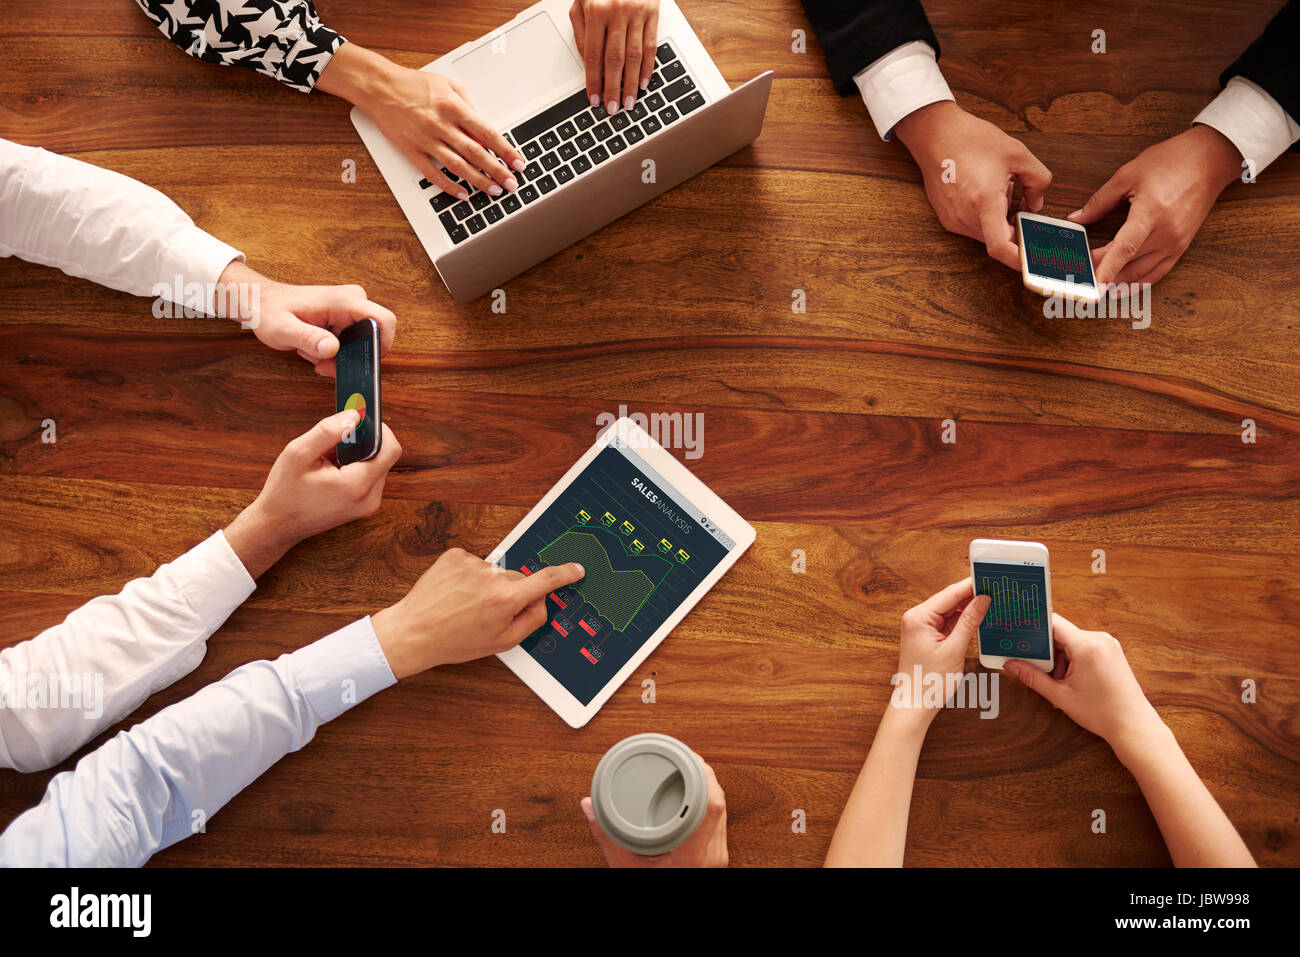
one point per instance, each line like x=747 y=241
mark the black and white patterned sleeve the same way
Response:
x=282 y=38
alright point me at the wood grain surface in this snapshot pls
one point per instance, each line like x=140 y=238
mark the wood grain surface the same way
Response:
x=822 y=428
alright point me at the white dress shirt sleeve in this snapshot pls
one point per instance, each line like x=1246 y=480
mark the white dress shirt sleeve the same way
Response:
x=901 y=82
x=163 y=780
x=72 y=681
x=99 y=225
x=1252 y=120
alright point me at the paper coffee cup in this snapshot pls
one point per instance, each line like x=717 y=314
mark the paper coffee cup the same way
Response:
x=649 y=793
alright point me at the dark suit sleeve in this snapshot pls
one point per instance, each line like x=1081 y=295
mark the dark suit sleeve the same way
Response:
x=1271 y=61
x=856 y=33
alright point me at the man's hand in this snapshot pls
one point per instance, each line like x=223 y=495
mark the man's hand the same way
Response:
x=1170 y=189
x=428 y=117
x=936 y=635
x=706 y=847
x=462 y=608
x=305 y=319
x=617 y=40
x=306 y=493
x=979 y=163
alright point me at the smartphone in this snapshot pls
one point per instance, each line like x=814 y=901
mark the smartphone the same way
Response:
x=356 y=386
x=1055 y=259
x=1018 y=623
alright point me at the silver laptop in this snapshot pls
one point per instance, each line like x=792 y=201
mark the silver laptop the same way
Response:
x=585 y=167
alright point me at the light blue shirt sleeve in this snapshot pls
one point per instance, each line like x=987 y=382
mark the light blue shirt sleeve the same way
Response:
x=163 y=780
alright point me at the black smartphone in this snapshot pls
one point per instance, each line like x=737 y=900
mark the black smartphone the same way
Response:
x=356 y=386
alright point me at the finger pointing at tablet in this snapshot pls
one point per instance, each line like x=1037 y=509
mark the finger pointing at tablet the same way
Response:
x=463 y=608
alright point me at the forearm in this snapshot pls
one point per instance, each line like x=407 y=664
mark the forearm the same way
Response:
x=287 y=42
x=114 y=652
x=359 y=76
x=1195 y=829
x=258 y=540
x=872 y=831
x=163 y=780
x=99 y=225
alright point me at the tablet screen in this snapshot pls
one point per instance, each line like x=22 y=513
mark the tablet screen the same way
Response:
x=644 y=548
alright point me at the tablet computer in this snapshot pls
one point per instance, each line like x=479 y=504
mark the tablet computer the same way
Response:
x=652 y=539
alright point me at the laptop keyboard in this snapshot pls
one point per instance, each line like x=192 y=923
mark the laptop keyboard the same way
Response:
x=567 y=140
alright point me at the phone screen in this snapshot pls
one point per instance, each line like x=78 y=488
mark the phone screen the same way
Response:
x=1057 y=252
x=356 y=387
x=1016 y=623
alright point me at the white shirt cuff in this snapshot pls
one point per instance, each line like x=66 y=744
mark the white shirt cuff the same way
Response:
x=1252 y=120
x=901 y=82
x=213 y=580
x=342 y=669
x=198 y=257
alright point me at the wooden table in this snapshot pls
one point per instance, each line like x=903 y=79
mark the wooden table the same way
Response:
x=822 y=428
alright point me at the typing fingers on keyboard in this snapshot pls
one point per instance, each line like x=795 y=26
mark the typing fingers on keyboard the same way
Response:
x=489 y=165
x=456 y=163
x=632 y=55
x=491 y=139
x=430 y=170
x=615 y=56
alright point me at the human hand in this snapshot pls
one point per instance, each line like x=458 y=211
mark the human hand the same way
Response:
x=935 y=635
x=428 y=117
x=306 y=319
x=618 y=40
x=306 y=493
x=462 y=608
x=1170 y=188
x=943 y=137
x=706 y=847
x=1097 y=688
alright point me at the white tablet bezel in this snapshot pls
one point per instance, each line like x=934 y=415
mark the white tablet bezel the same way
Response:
x=561 y=701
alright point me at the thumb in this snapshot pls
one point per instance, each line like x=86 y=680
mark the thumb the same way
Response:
x=1036 y=680
x=1034 y=179
x=314 y=343
x=969 y=620
x=1101 y=202
x=606 y=845
x=323 y=436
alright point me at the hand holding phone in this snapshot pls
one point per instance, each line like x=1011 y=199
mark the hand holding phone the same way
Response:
x=1018 y=623
x=1055 y=259
x=357 y=388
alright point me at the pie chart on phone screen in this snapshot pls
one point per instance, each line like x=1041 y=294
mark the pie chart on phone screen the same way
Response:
x=356 y=401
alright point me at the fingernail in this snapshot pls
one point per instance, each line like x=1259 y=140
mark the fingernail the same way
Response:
x=611 y=107
x=628 y=101
x=1008 y=670
x=494 y=190
x=518 y=166
x=462 y=194
x=587 y=812
x=354 y=417
x=581 y=571
x=1077 y=212
x=645 y=83
x=512 y=184
x=595 y=100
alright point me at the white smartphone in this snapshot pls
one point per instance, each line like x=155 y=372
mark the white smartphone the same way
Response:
x=1018 y=624
x=1055 y=259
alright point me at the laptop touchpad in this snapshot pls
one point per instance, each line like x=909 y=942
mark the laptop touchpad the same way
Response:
x=514 y=66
